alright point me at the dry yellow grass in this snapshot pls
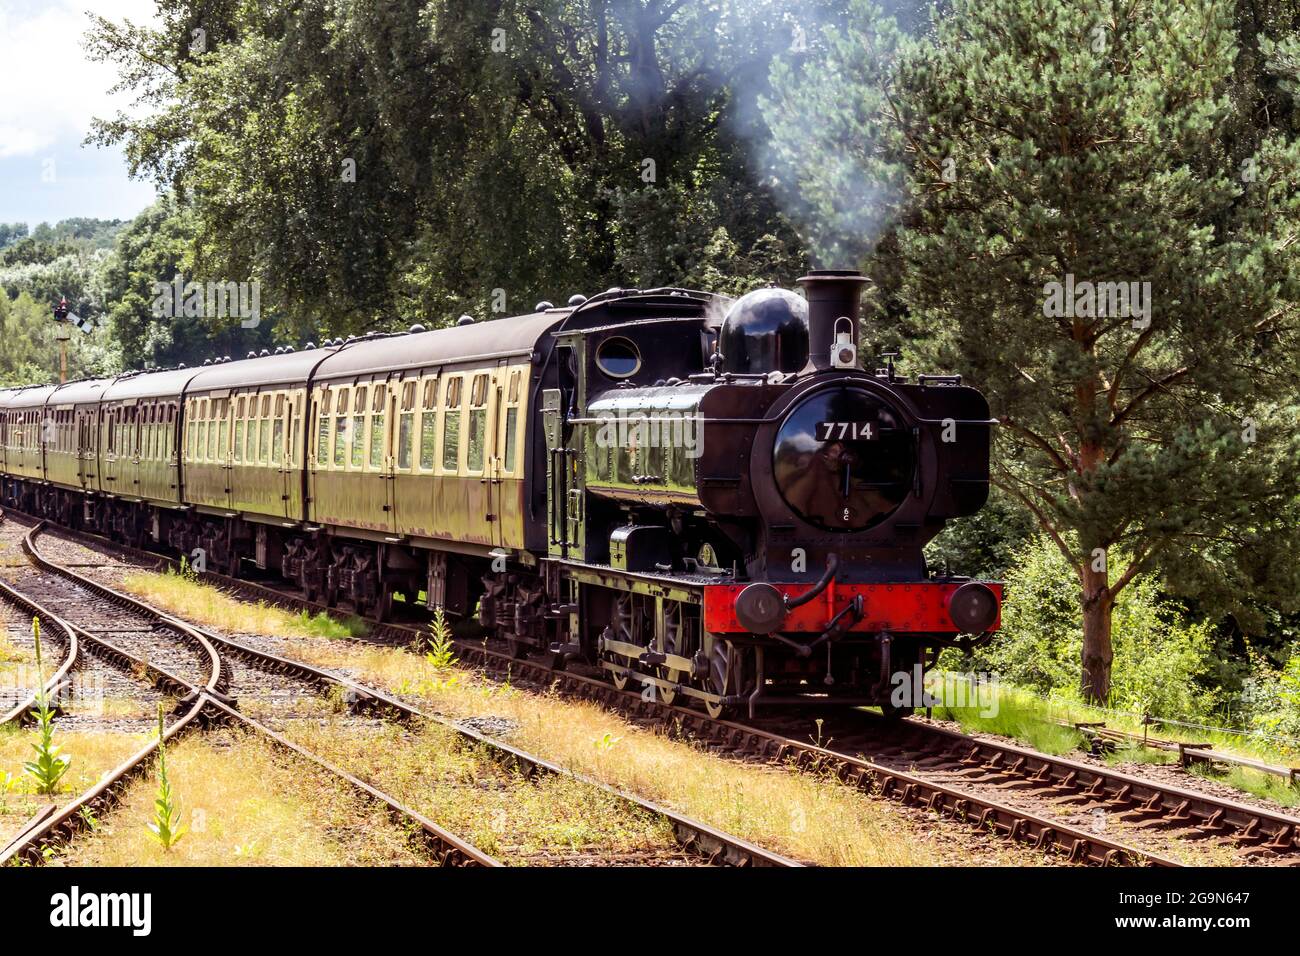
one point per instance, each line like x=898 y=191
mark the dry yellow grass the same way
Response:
x=10 y=653
x=207 y=606
x=547 y=820
x=246 y=803
x=11 y=656
x=92 y=754
x=802 y=815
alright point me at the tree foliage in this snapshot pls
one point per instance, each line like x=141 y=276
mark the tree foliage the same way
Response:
x=366 y=159
x=1018 y=144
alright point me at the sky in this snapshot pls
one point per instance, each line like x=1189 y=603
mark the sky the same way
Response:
x=49 y=91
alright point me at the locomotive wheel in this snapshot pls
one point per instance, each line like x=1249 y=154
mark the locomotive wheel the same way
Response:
x=674 y=637
x=517 y=649
x=723 y=678
x=623 y=627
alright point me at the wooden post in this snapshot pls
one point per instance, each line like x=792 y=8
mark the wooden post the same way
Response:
x=63 y=335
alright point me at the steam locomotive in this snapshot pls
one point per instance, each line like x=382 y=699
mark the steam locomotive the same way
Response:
x=709 y=499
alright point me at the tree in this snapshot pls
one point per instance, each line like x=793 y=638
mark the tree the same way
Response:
x=367 y=160
x=1026 y=157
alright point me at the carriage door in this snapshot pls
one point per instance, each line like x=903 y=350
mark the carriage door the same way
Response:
x=87 y=446
x=495 y=449
x=285 y=444
x=563 y=489
x=390 y=427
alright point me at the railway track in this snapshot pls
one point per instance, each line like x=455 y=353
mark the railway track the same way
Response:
x=210 y=702
x=989 y=784
x=985 y=812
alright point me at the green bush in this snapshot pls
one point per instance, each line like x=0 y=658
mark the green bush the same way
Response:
x=1270 y=699
x=1162 y=660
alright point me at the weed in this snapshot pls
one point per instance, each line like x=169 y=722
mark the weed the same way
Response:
x=48 y=768
x=441 y=655
x=166 y=826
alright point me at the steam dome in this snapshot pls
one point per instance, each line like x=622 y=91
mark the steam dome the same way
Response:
x=765 y=331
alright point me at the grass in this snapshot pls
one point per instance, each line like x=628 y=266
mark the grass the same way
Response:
x=1032 y=721
x=1016 y=715
x=805 y=815
x=1131 y=753
x=461 y=787
x=201 y=604
x=247 y=803
x=1253 y=782
x=11 y=654
x=1074 y=712
x=96 y=753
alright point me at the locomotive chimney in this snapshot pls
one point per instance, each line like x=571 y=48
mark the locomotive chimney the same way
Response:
x=833 y=303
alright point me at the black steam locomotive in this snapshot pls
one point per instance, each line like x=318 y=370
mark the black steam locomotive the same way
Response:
x=710 y=499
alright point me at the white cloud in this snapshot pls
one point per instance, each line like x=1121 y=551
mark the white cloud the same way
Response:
x=51 y=89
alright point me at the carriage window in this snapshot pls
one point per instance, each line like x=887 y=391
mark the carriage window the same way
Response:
x=358 y=437
x=451 y=425
x=428 y=424
x=323 y=431
x=406 y=426
x=241 y=426
x=341 y=429
x=377 y=426
x=377 y=440
x=240 y=410
x=223 y=439
x=263 y=439
x=428 y=436
x=477 y=424
x=277 y=432
x=512 y=420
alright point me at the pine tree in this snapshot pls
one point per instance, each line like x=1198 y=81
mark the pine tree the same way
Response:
x=1088 y=223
